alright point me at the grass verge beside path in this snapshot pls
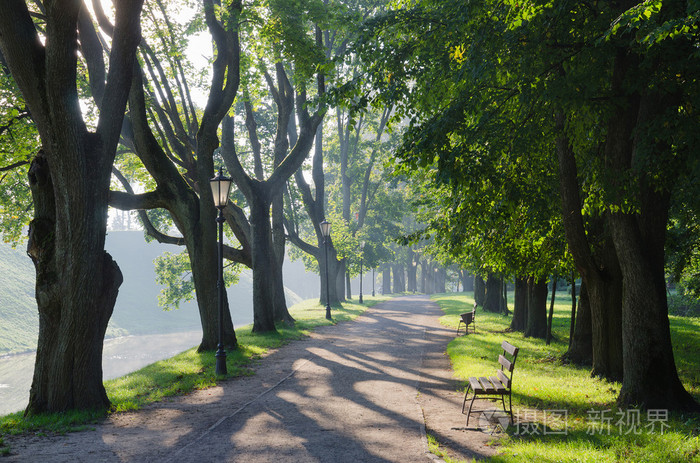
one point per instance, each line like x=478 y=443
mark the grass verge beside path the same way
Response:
x=564 y=415
x=187 y=371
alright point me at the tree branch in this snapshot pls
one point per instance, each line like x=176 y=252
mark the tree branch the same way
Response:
x=13 y=166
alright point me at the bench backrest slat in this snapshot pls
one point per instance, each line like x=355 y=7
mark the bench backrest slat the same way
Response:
x=507 y=364
x=511 y=349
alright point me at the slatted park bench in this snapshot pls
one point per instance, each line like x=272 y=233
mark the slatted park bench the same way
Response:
x=468 y=318
x=495 y=387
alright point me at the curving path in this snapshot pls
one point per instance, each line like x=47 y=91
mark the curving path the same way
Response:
x=356 y=392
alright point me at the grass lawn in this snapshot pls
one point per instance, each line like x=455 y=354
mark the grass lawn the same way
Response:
x=187 y=371
x=564 y=415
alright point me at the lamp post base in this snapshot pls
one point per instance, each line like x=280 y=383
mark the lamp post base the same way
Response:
x=221 y=361
x=360 y=298
x=328 y=312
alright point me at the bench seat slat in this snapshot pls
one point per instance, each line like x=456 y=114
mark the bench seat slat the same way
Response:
x=475 y=385
x=500 y=387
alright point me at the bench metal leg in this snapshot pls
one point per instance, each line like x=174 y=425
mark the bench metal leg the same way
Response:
x=465 y=397
x=471 y=404
x=510 y=405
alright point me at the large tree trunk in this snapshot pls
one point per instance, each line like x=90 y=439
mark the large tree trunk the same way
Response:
x=441 y=276
x=76 y=287
x=201 y=248
x=333 y=270
x=263 y=266
x=536 y=309
x=411 y=274
x=650 y=377
x=386 y=280
x=348 y=286
x=519 y=321
x=604 y=290
x=599 y=271
x=494 y=294
x=581 y=346
x=467 y=281
x=399 y=280
x=479 y=290
x=281 y=312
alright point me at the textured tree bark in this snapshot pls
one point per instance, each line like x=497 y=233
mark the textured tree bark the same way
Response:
x=536 y=309
x=479 y=290
x=599 y=271
x=551 y=311
x=68 y=368
x=650 y=377
x=572 y=322
x=333 y=269
x=399 y=280
x=467 y=281
x=442 y=280
x=494 y=294
x=281 y=312
x=581 y=346
x=263 y=265
x=386 y=280
x=340 y=280
x=201 y=249
x=519 y=321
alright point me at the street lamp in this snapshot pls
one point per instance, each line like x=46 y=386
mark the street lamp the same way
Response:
x=326 y=232
x=220 y=189
x=372 y=281
x=362 y=248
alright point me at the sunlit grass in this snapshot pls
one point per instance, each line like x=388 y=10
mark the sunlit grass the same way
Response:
x=189 y=370
x=559 y=406
x=434 y=448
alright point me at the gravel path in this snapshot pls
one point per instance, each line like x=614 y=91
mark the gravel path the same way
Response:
x=365 y=391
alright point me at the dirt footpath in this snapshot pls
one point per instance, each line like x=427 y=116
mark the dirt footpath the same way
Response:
x=365 y=391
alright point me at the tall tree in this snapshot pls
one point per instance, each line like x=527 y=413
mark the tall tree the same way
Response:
x=176 y=147
x=77 y=281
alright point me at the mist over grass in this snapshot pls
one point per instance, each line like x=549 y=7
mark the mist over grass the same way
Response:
x=136 y=311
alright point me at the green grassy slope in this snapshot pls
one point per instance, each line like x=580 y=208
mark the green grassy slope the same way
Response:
x=18 y=317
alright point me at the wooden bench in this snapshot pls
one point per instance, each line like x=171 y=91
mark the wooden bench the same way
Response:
x=468 y=318
x=495 y=387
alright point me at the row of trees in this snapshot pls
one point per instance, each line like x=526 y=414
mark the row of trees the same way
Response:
x=540 y=140
x=556 y=136
x=108 y=108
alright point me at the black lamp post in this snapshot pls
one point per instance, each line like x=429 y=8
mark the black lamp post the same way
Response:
x=326 y=232
x=220 y=189
x=362 y=249
x=372 y=281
